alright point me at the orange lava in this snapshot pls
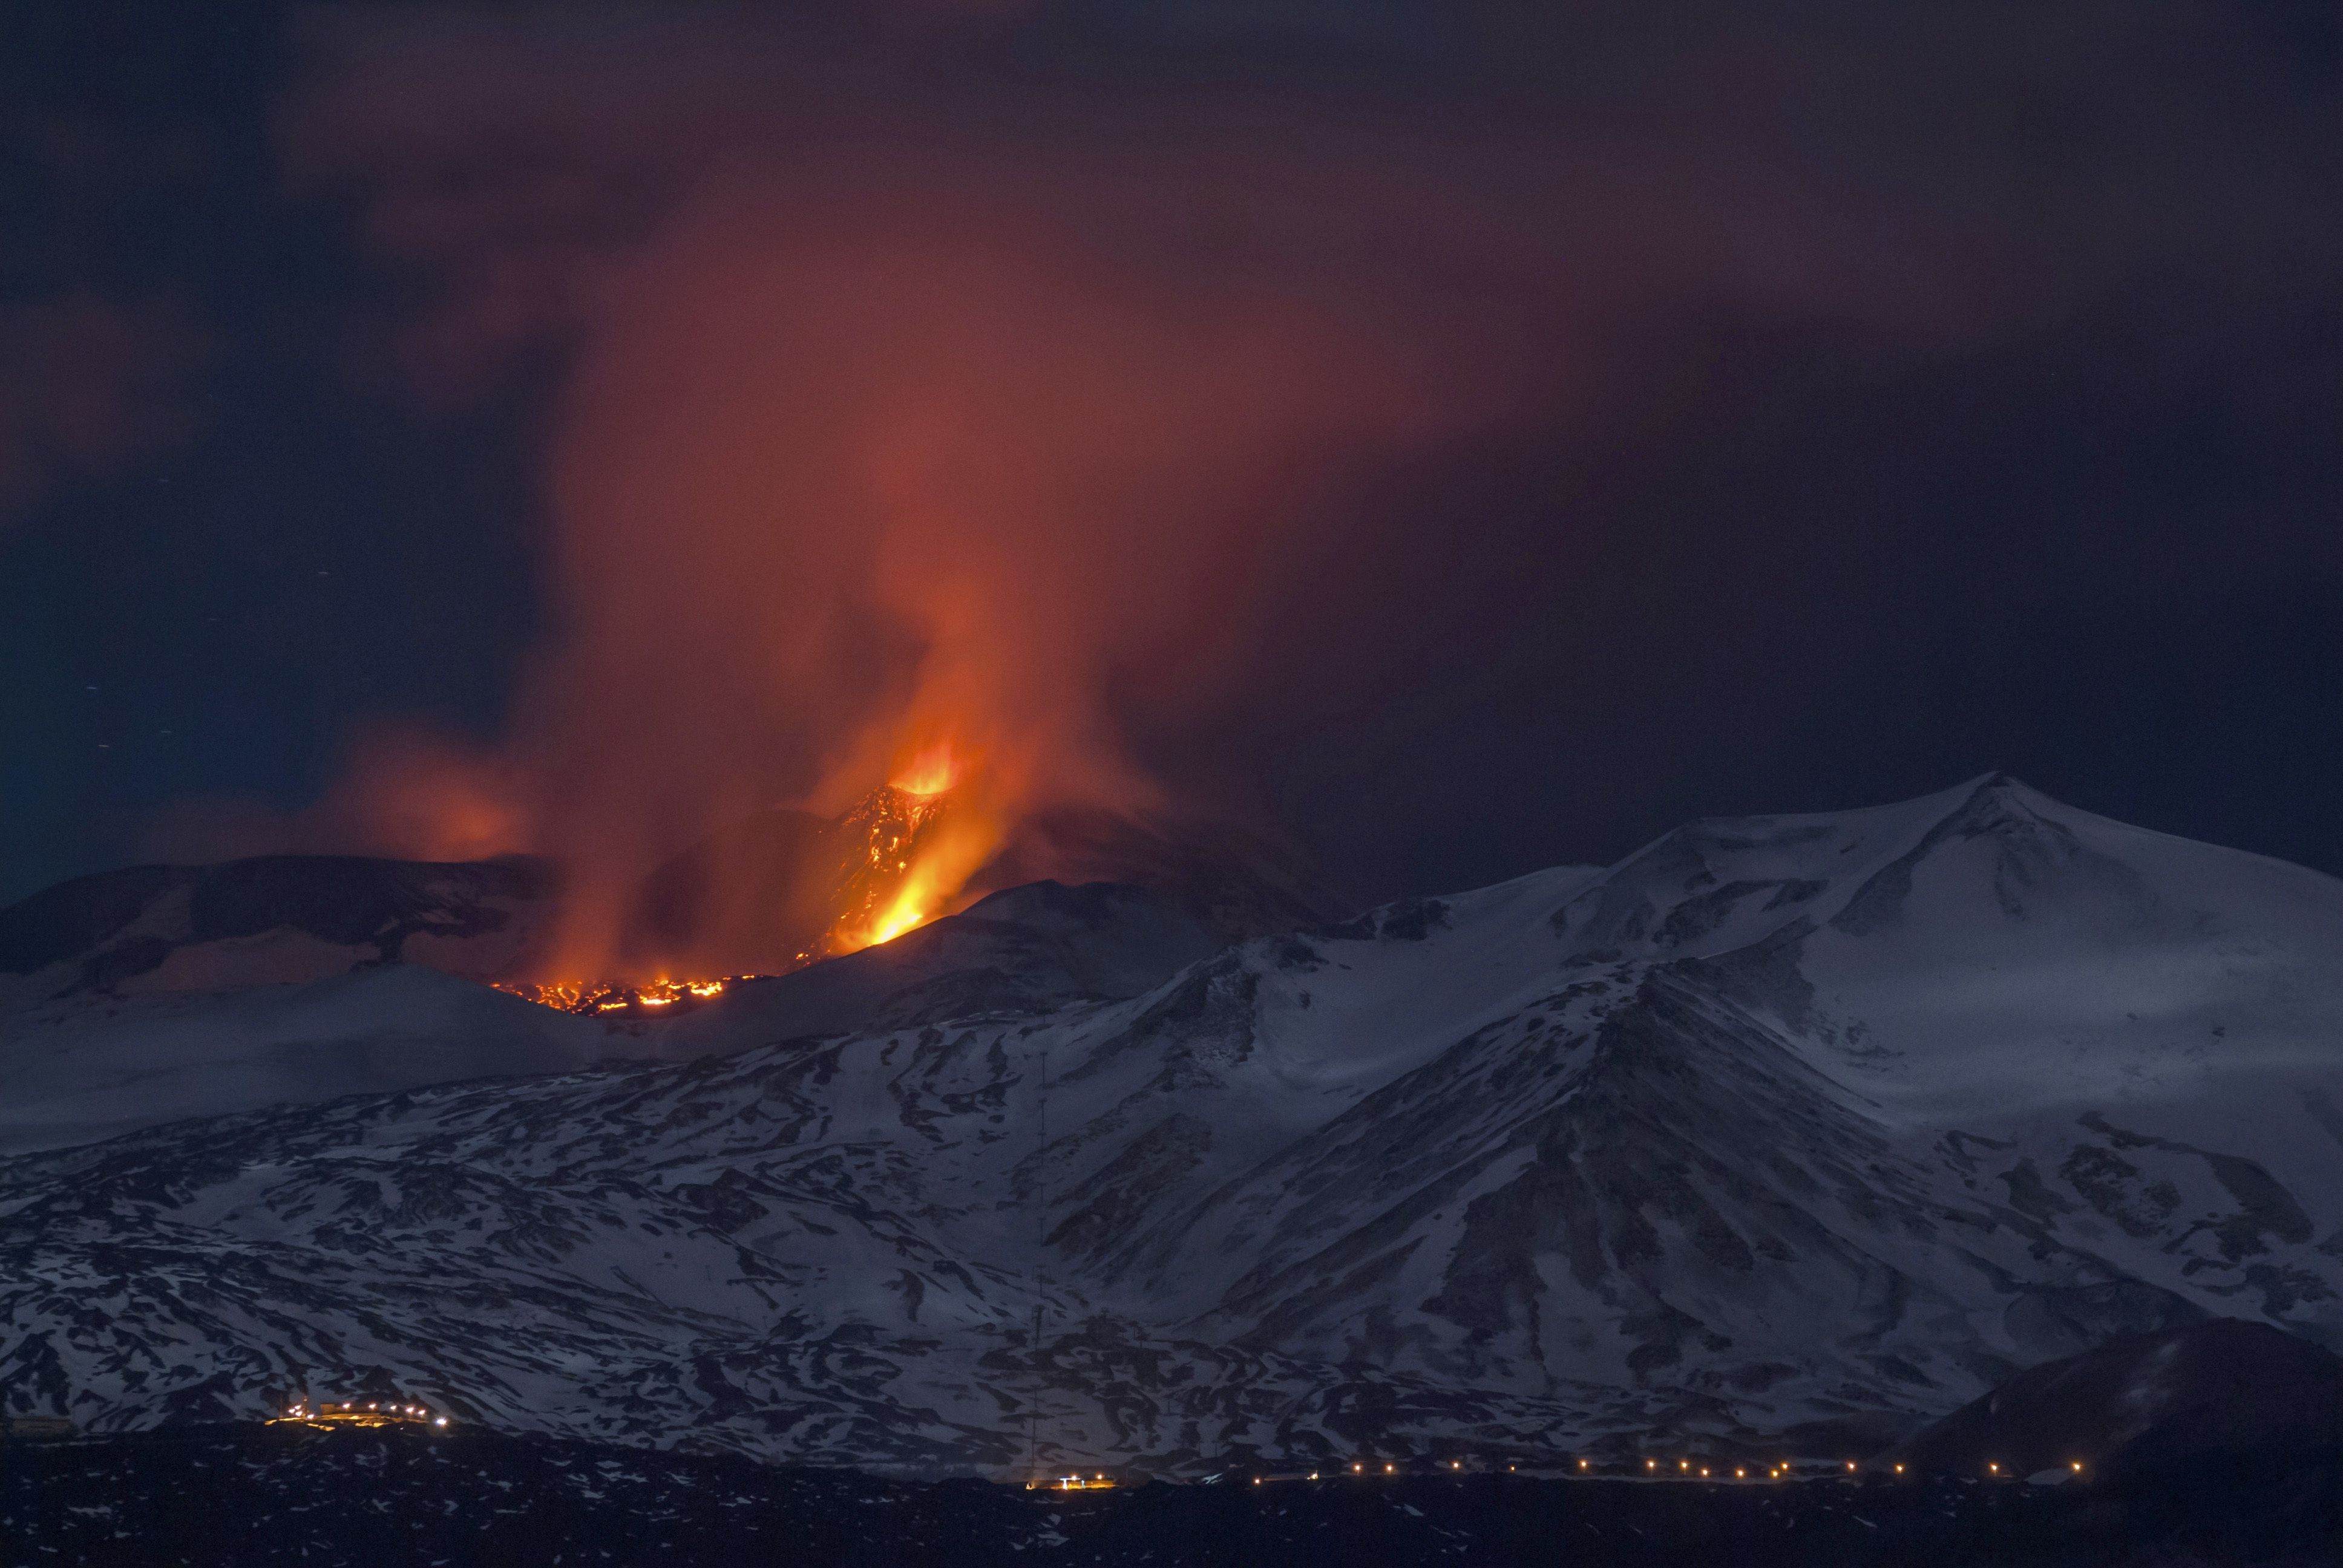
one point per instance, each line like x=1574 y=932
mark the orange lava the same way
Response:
x=928 y=831
x=649 y=998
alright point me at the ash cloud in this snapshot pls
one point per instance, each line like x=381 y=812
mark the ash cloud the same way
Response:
x=1029 y=375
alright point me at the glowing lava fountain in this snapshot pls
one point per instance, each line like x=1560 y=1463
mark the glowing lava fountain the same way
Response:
x=923 y=834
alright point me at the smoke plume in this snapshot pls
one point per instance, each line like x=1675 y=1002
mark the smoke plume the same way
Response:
x=924 y=381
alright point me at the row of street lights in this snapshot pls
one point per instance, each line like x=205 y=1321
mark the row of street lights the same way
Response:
x=1686 y=1470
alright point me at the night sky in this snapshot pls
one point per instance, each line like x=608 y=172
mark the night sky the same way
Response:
x=1471 y=436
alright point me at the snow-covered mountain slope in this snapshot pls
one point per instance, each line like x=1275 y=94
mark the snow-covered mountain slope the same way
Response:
x=273 y=920
x=1779 y=1124
x=756 y=898
x=1027 y=950
x=93 y=1067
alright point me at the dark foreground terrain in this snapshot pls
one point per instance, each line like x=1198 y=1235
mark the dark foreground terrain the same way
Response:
x=252 y=1495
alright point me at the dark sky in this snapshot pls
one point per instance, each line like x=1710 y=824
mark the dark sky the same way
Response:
x=1518 y=429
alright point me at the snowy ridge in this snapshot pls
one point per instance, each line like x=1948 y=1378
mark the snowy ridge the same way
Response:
x=272 y=920
x=93 y=1066
x=78 y=1070
x=1780 y=1122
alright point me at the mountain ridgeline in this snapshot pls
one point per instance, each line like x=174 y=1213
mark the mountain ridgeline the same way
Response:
x=1805 y=1129
x=760 y=898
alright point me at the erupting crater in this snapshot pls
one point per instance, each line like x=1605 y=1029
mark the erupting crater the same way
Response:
x=892 y=863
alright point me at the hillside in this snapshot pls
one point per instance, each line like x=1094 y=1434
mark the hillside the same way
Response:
x=1798 y=1128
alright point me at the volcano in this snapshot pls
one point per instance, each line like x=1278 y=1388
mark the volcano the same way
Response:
x=783 y=888
x=774 y=892
x=1800 y=1131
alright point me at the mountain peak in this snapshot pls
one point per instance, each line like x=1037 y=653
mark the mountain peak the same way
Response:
x=1711 y=1146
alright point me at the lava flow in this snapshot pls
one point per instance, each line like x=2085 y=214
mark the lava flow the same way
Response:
x=648 y=999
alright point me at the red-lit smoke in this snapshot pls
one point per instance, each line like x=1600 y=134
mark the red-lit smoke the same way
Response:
x=896 y=413
x=838 y=484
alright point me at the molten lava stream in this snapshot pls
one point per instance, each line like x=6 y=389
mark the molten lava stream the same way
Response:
x=616 y=996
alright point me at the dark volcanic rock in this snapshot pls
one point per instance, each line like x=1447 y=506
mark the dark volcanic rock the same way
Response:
x=2147 y=1402
x=1025 y=950
x=1229 y=880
